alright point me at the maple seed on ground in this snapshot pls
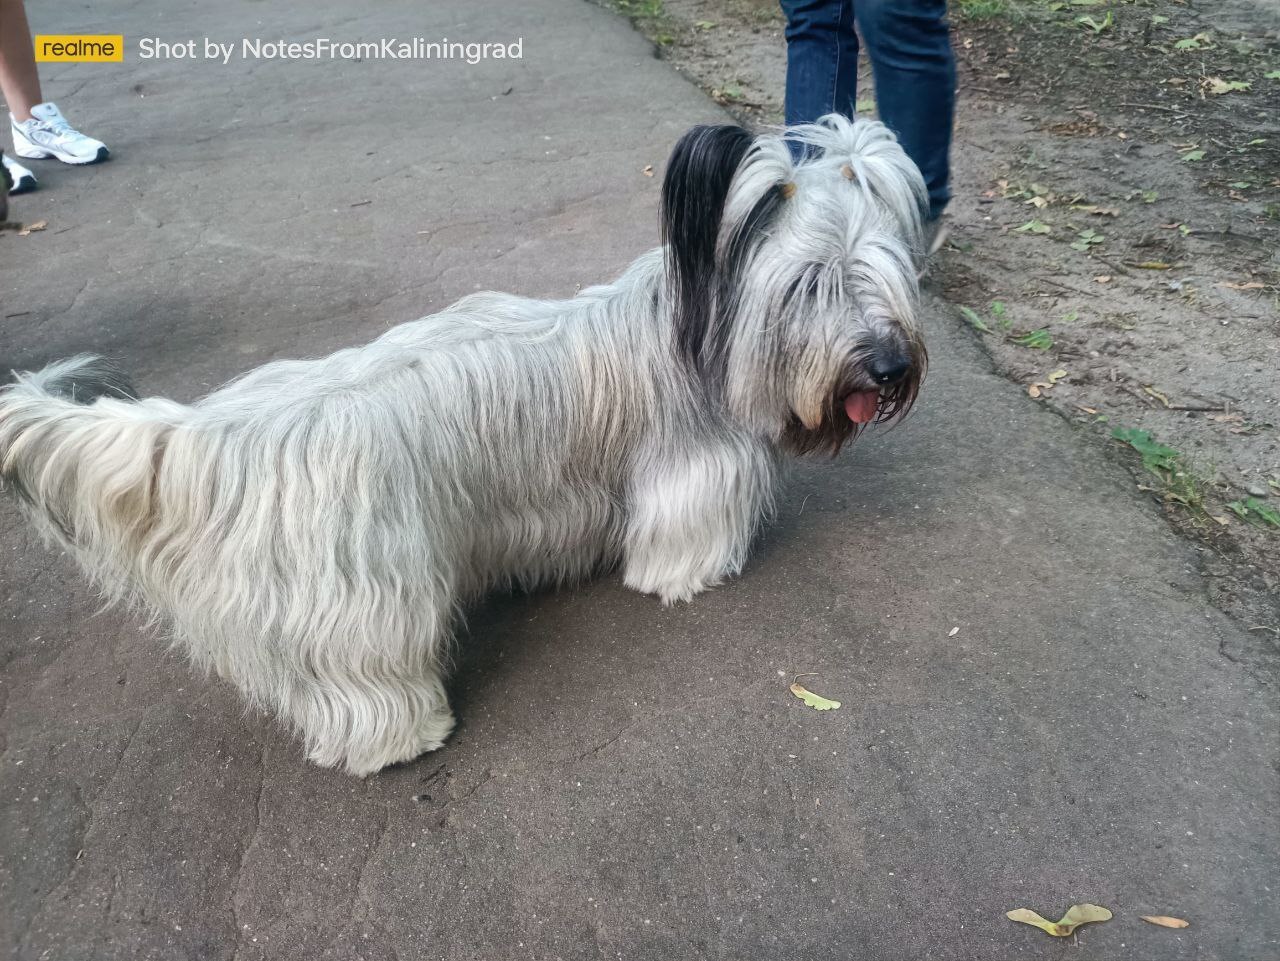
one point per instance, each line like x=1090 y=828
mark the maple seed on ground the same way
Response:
x=1164 y=920
x=1076 y=915
x=815 y=701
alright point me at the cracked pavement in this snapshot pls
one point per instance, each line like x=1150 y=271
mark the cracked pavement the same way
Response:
x=627 y=781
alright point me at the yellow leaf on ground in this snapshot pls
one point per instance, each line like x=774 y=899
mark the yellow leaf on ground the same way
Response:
x=1165 y=921
x=815 y=701
x=1217 y=86
x=1076 y=915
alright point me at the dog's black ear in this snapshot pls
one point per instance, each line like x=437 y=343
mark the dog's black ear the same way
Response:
x=694 y=189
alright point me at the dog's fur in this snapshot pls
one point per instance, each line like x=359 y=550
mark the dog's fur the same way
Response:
x=312 y=529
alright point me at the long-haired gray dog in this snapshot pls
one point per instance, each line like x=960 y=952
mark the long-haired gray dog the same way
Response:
x=312 y=529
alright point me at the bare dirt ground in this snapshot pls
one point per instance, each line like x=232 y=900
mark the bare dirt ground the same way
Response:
x=1115 y=234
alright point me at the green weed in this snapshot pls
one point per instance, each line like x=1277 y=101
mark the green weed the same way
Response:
x=1256 y=511
x=983 y=9
x=1179 y=482
x=1035 y=339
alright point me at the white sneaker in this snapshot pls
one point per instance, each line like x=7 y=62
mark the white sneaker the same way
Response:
x=47 y=134
x=21 y=178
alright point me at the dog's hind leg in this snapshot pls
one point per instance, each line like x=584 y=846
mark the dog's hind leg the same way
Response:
x=692 y=514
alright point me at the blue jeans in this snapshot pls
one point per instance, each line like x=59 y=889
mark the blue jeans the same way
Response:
x=909 y=46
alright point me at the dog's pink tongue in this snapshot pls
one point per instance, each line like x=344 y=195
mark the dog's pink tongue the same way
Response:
x=861 y=406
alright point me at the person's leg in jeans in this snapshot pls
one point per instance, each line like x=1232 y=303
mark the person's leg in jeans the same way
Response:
x=822 y=59
x=909 y=45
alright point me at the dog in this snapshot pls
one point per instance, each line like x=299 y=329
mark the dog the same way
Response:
x=312 y=531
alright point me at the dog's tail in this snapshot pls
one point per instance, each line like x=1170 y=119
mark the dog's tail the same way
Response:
x=82 y=452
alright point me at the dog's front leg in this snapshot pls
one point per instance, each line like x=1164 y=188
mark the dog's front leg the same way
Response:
x=691 y=516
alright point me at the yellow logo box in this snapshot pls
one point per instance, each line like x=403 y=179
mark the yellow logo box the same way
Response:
x=79 y=48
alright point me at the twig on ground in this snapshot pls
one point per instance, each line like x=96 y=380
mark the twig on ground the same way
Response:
x=1061 y=286
x=1155 y=106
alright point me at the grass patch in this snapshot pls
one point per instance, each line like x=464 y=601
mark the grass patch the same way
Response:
x=982 y=9
x=1256 y=511
x=1180 y=483
x=1039 y=339
x=997 y=319
x=640 y=9
x=649 y=16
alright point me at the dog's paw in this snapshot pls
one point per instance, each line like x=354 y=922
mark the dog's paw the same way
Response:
x=434 y=731
x=430 y=735
x=672 y=594
x=671 y=591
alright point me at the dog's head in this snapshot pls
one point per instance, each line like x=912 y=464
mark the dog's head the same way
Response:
x=792 y=286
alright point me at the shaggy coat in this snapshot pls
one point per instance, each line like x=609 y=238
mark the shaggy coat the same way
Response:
x=312 y=530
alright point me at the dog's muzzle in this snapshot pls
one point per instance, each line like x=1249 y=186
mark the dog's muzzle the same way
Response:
x=888 y=366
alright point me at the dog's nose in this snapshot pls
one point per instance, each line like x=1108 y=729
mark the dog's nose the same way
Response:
x=889 y=366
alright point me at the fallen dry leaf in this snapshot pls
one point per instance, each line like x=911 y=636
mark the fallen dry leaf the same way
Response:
x=648 y=170
x=1163 y=919
x=1217 y=86
x=1034 y=390
x=1163 y=398
x=815 y=701
x=1095 y=210
x=1150 y=265
x=1102 y=279
x=1076 y=915
x=29 y=228
x=1087 y=410
x=1252 y=285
